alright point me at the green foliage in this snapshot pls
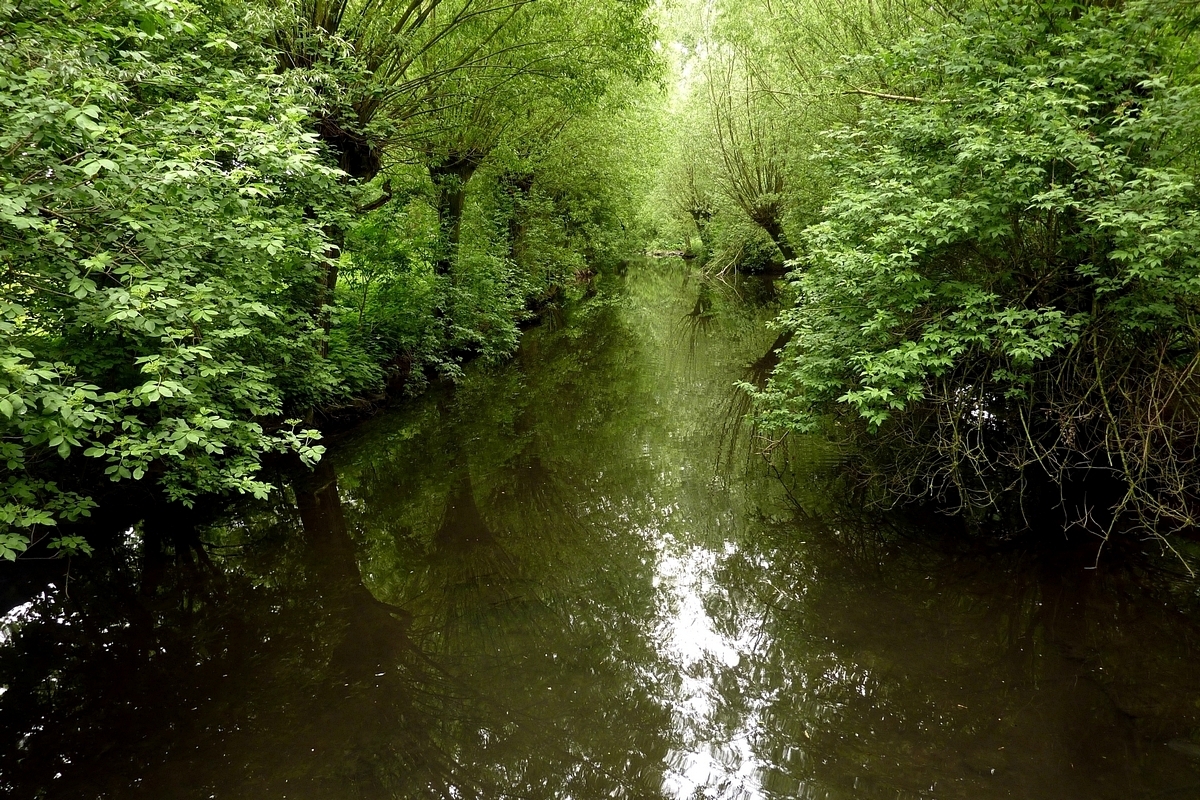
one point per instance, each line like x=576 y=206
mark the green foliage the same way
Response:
x=160 y=234
x=738 y=243
x=589 y=185
x=538 y=217
x=451 y=263
x=385 y=327
x=1007 y=273
x=754 y=90
x=217 y=219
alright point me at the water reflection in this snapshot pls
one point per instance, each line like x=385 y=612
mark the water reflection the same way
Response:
x=896 y=670
x=556 y=582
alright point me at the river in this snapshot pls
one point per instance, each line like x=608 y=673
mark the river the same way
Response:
x=572 y=577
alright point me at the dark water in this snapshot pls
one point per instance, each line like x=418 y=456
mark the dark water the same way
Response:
x=570 y=579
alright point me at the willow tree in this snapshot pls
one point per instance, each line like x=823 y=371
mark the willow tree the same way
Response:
x=553 y=66
x=735 y=137
x=688 y=173
x=768 y=86
x=751 y=147
x=449 y=79
x=810 y=49
x=376 y=64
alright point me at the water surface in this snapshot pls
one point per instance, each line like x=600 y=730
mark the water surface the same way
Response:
x=571 y=577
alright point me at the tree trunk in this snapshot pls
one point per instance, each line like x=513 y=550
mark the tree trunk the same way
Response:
x=701 y=217
x=450 y=177
x=356 y=155
x=361 y=161
x=770 y=223
x=327 y=284
x=517 y=186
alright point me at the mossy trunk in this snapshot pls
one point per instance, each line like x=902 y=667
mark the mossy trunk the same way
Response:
x=450 y=177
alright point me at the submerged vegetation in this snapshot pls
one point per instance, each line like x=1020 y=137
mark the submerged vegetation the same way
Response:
x=223 y=223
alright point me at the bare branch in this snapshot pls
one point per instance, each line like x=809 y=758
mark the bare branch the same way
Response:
x=903 y=98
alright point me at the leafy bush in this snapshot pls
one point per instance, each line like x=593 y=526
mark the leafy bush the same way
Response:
x=160 y=244
x=1008 y=275
x=388 y=298
x=740 y=244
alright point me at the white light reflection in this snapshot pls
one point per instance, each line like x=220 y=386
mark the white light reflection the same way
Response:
x=716 y=759
x=11 y=622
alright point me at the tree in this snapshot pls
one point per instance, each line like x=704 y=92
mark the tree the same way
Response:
x=751 y=148
x=762 y=80
x=1004 y=283
x=688 y=179
x=553 y=66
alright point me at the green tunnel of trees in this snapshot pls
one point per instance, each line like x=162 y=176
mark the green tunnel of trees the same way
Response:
x=223 y=221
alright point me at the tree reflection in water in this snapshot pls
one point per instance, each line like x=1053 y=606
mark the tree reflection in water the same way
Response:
x=555 y=582
x=892 y=666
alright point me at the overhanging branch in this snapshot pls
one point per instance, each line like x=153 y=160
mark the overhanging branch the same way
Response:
x=903 y=98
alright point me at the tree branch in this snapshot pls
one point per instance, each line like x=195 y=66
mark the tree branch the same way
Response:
x=378 y=202
x=885 y=96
